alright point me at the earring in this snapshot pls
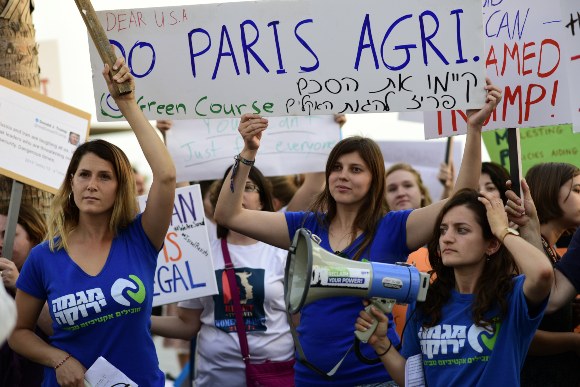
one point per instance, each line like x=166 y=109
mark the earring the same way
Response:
x=71 y=200
x=488 y=257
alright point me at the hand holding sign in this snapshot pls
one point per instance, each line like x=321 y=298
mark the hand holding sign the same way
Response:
x=478 y=117
x=251 y=128
x=124 y=75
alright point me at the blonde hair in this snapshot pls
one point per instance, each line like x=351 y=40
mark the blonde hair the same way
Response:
x=426 y=201
x=64 y=214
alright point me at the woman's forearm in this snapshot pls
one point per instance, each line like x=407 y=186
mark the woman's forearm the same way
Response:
x=392 y=360
x=28 y=344
x=174 y=327
x=470 y=169
x=153 y=148
x=552 y=343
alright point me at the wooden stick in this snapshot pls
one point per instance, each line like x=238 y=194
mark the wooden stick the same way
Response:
x=448 y=154
x=515 y=155
x=101 y=42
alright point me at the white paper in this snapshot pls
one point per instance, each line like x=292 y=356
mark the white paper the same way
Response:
x=571 y=54
x=7 y=314
x=184 y=265
x=525 y=57
x=297 y=58
x=414 y=373
x=104 y=374
x=204 y=149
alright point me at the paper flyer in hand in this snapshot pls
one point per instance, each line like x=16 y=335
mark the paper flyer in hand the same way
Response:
x=104 y=374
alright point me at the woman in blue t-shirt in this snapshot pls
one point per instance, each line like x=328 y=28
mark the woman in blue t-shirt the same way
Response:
x=478 y=320
x=96 y=268
x=350 y=217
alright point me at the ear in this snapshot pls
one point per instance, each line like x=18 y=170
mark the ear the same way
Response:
x=493 y=246
x=276 y=204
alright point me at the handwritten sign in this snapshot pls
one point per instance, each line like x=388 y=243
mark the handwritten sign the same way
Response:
x=38 y=136
x=297 y=58
x=524 y=57
x=204 y=149
x=424 y=156
x=184 y=266
x=571 y=44
x=538 y=145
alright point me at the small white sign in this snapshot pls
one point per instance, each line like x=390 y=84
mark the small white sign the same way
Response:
x=571 y=54
x=184 y=266
x=204 y=149
x=104 y=374
x=38 y=136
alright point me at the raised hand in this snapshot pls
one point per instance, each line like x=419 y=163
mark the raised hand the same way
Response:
x=9 y=274
x=523 y=214
x=124 y=75
x=340 y=119
x=251 y=128
x=163 y=125
x=496 y=215
x=478 y=117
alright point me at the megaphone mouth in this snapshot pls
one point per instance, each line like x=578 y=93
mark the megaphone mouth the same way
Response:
x=297 y=276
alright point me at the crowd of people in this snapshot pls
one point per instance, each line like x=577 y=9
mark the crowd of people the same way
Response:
x=500 y=309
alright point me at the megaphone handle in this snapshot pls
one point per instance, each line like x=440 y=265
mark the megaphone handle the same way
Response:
x=382 y=304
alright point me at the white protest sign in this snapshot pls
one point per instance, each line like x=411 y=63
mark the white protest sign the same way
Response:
x=571 y=43
x=524 y=57
x=425 y=157
x=184 y=266
x=204 y=149
x=38 y=136
x=297 y=58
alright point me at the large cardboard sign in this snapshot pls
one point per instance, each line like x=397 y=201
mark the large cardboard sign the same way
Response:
x=184 y=266
x=297 y=58
x=524 y=57
x=38 y=136
x=204 y=149
x=538 y=145
x=424 y=156
x=571 y=44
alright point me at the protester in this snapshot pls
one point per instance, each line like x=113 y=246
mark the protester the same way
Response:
x=259 y=270
x=405 y=188
x=350 y=217
x=476 y=292
x=98 y=246
x=139 y=183
x=553 y=355
x=16 y=370
x=493 y=179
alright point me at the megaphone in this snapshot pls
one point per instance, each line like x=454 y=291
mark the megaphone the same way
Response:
x=313 y=273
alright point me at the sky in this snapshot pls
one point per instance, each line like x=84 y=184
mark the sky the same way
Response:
x=60 y=20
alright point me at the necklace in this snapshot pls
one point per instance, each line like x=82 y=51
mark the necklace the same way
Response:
x=340 y=241
x=549 y=251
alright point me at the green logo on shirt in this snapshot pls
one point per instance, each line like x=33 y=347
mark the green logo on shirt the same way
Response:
x=121 y=284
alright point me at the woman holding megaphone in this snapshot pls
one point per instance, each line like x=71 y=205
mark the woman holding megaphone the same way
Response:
x=480 y=315
x=351 y=218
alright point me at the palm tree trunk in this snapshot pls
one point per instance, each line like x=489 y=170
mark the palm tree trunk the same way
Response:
x=19 y=64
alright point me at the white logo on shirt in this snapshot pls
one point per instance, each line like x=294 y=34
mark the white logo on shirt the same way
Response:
x=66 y=308
x=439 y=337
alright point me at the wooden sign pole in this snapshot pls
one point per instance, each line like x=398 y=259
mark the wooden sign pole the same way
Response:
x=12 y=219
x=515 y=155
x=101 y=42
x=448 y=154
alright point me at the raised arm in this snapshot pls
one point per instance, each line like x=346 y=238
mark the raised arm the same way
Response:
x=420 y=222
x=531 y=261
x=268 y=227
x=157 y=215
x=313 y=184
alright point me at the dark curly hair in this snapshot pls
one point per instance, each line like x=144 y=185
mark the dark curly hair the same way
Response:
x=494 y=283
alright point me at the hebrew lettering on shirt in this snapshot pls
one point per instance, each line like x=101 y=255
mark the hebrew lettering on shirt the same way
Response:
x=66 y=308
x=437 y=339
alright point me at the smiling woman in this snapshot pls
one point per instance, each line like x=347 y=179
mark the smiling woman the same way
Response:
x=98 y=247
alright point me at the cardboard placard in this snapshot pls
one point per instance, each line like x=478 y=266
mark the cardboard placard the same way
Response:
x=571 y=49
x=204 y=149
x=184 y=266
x=524 y=57
x=38 y=136
x=297 y=58
x=538 y=145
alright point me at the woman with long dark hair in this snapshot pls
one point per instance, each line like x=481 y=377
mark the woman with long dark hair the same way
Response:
x=480 y=315
x=351 y=218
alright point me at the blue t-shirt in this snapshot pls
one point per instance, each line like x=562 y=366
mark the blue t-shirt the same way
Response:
x=106 y=315
x=458 y=353
x=326 y=328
